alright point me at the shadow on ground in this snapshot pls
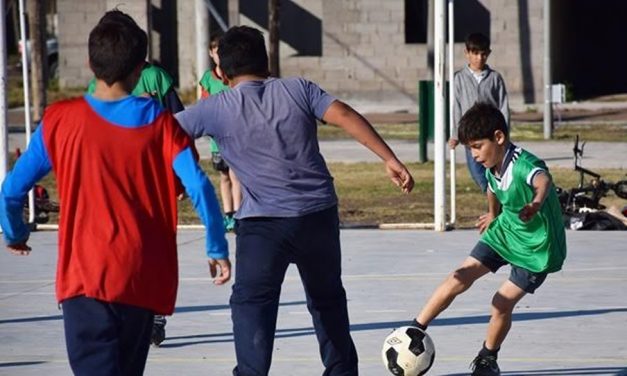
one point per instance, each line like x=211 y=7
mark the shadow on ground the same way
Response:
x=307 y=331
x=617 y=371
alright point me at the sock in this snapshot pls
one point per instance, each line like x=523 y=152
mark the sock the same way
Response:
x=418 y=325
x=487 y=352
x=229 y=214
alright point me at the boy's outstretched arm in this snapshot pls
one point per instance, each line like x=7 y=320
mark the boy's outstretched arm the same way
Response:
x=203 y=197
x=33 y=165
x=343 y=116
x=541 y=183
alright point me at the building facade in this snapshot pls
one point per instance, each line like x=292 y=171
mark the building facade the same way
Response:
x=364 y=51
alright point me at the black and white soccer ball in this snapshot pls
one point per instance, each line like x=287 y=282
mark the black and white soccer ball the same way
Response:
x=408 y=351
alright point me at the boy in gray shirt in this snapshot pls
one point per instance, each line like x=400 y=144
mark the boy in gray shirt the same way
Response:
x=477 y=82
x=266 y=130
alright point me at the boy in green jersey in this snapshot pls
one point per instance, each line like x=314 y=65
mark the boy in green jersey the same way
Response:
x=523 y=228
x=230 y=189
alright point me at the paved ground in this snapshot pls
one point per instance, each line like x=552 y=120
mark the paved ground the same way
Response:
x=597 y=154
x=576 y=324
x=556 y=154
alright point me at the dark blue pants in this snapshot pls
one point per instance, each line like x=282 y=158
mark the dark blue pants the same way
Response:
x=265 y=248
x=477 y=171
x=106 y=339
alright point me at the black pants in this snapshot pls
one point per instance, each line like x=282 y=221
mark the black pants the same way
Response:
x=265 y=248
x=106 y=339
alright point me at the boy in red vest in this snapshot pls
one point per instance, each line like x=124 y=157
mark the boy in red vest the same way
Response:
x=116 y=158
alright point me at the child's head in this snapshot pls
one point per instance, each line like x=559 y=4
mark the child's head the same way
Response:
x=213 y=50
x=484 y=130
x=117 y=47
x=477 y=51
x=242 y=51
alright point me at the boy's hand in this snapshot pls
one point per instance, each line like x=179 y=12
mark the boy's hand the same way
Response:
x=19 y=249
x=484 y=222
x=528 y=211
x=225 y=270
x=399 y=175
x=452 y=143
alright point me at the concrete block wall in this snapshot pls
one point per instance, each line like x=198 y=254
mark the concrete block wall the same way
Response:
x=76 y=20
x=365 y=59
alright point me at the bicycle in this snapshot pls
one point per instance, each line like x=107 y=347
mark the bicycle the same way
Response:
x=587 y=195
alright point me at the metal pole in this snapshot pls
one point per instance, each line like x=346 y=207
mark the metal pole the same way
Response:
x=548 y=110
x=4 y=129
x=27 y=120
x=216 y=15
x=451 y=102
x=439 y=167
x=202 y=39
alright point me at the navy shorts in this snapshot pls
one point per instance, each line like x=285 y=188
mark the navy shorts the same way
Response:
x=218 y=163
x=527 y=280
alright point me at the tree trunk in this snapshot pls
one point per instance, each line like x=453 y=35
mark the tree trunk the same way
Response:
x=273 y=31
x=430 y=37
x=38 y=55
x=15 y=21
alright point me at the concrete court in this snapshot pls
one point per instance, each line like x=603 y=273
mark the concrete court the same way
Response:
x=576 y=324
x=554 y=153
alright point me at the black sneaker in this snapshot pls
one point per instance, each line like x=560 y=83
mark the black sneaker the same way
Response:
x=485 y=366
x=158 y=330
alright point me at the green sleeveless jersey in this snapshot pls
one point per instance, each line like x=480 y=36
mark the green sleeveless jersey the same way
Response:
x=538 y=245
x=212 y=86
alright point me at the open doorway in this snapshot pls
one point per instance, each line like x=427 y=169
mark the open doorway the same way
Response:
x=588 y=40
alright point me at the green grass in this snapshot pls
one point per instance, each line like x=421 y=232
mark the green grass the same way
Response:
x=520 y=132
x=367 y=197
x=15 y=92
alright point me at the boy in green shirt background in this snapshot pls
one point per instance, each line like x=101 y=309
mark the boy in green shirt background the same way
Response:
x=230 y=188
x=155 y=82
x=523 y=228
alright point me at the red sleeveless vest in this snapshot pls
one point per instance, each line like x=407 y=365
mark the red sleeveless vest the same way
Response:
x=117 y=225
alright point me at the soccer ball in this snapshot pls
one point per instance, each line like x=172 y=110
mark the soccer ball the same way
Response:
x=408 y=351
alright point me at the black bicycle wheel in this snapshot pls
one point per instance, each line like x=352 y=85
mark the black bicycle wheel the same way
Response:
x=621 y=189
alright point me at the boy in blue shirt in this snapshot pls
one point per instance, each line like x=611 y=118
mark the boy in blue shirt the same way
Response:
x=267 y=132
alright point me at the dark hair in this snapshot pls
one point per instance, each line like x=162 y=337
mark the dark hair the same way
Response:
x=213 y=43
x=214 y=40
x=242 y=50
x=116 y=47
x=477 y=42
x=480 y=122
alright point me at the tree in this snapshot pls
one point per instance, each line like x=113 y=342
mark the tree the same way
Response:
x=273 y=31
x=38 y=55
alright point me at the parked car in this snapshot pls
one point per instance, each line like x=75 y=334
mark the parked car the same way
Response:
x=52 y=48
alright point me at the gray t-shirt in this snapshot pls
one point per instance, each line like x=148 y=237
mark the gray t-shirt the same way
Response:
x=267 y=133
